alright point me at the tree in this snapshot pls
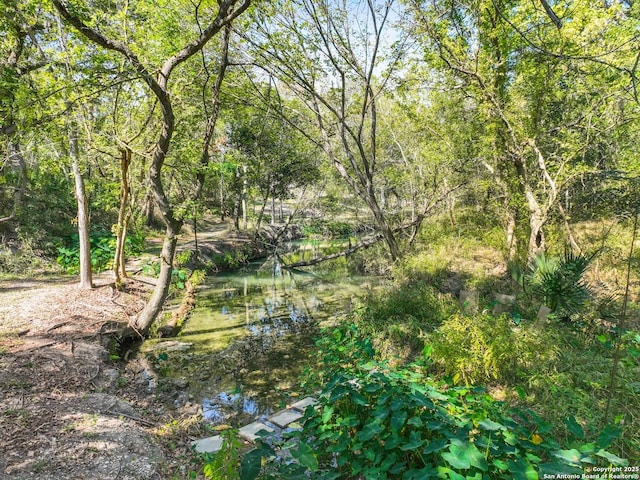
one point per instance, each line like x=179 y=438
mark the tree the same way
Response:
x=158 y=84
x=277 y=158
x=538 y=130
x=336 y=61
x=19 y=55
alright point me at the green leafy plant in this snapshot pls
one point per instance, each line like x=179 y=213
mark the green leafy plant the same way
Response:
x=102 y=244
x=558 y=282
x=483 y=349
x=375 y=421
x=223 y=465
x=179 y=277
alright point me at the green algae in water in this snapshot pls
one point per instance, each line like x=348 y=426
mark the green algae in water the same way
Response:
x=251 y=335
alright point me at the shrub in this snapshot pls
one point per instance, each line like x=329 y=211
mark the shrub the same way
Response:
x=103 y=249
x=483 y=349
x=557 y=282
x=403 y=316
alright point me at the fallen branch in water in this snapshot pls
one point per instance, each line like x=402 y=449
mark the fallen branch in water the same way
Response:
x=364 y=244
x=415 y=224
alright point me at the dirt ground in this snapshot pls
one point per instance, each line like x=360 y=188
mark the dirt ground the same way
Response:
x=68 y=408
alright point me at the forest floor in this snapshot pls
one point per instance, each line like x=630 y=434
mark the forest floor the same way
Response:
x=68 y=408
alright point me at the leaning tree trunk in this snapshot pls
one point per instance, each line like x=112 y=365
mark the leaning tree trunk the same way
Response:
x=142 y=323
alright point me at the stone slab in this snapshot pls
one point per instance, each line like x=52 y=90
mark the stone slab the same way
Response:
x=250 y=432
x=469 y=300
x=302 y=405
x=505 y=299
x=503 y=304
x=543 y=313
x=285 y=417
x=208 y=445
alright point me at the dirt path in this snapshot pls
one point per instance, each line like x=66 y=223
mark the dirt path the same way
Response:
x=68 y=410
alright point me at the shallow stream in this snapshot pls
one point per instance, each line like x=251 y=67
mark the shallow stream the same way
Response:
x=243 y=352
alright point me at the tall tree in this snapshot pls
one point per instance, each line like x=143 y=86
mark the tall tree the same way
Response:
x=157 y=80
x=538 y=120
x=336 y=58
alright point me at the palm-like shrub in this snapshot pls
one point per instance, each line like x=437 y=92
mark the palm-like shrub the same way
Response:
x=559 y=282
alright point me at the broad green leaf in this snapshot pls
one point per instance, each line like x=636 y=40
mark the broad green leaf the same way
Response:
x=306 y=456
x=251 y=465
x=617 y=461
x=415 y=421
x=488 y=424
x=435 y=446
x=358 y=398
x=574 y=427
x=454 y=475
x=552 y=469
x=464 y=455
x=570 y=457
x=414 y=442
x=502 y=465
x=370 y=430
x=327 y=412
x=398 y=419
x=522 y=470
x=608 y=435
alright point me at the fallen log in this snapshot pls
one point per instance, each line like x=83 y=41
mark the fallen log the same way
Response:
x=307 y=263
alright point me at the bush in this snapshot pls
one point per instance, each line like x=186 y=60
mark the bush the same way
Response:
x=484 y=349
x=401 y=317
x=103 y=249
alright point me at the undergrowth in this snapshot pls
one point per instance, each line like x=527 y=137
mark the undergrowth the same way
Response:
x=375 y=421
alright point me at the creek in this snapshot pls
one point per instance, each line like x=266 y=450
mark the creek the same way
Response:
x=243 y=351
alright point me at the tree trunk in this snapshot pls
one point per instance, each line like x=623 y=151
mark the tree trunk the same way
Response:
x=83 y=212
x=510 y=230
x=142 y=323
x=21 y=190
x=149 y=210
x=124 y=215
x=383 y=225
x=245 y=188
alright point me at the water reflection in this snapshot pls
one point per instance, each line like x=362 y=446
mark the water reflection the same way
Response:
x=252 y=334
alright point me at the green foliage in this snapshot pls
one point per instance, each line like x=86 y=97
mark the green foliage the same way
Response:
x=483 y=349
x=103 y=248
x=402 y=316
x=327 y=228
x=223 y=465
x=558 y=282
x=179 y=277
x=231 y=260
x=375 y=421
